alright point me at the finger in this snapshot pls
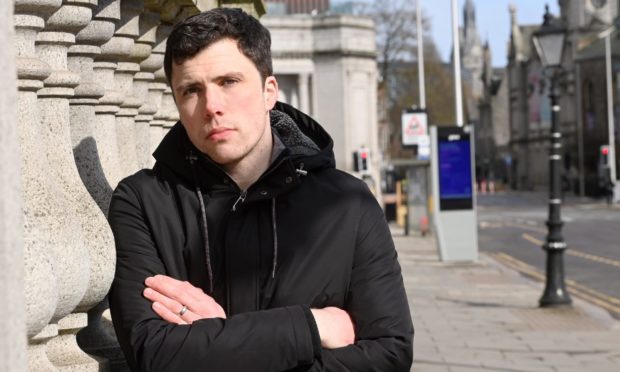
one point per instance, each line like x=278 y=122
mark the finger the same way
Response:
x=189 y=317
x=169 y=303
x=166 y=314
x=163 y=284
x=182 y=292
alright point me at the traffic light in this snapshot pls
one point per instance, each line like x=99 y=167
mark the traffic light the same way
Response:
x=364 y=159
x=361 y=159
x=605 y=183
x=605 y=155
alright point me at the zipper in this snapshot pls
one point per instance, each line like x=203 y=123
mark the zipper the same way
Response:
x=240 y=199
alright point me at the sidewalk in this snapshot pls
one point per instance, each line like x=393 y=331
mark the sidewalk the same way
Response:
x=484 y=317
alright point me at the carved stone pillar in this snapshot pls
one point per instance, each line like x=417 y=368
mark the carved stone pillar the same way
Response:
x=49 y=242
x=142 y=53
x=170 y=115
x=82 y=106
x=13 y=310
x=119 y=50
x=52 y=45
x=156 y=126
x=109 y=12
x=158 y=86
x=89 y=146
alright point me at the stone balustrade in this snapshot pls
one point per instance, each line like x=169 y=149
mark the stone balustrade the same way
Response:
x=84 y=104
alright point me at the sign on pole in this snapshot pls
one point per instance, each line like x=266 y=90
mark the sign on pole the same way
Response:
x=414 y=127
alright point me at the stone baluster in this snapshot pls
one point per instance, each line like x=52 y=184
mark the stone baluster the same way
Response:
x=142 y=53
x=170 y=109
x=13 y=309
x=96 y=339
x=120 y=48
x=82 y=106
x=157 y=86
x=109 y=11
x=52 y=45
x=156 y=126
x=49 y=239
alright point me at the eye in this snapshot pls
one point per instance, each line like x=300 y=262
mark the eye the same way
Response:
x=191 y=90
x=229 y=82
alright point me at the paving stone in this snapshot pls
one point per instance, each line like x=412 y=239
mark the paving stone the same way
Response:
x=485 y=317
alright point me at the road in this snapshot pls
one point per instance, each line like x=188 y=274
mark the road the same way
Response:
x=511 y=227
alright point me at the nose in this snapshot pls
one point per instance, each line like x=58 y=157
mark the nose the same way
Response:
x=214 y=102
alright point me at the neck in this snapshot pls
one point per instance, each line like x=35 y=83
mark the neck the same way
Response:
x=247 y=171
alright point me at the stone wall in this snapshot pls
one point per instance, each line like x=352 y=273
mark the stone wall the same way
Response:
x=83 y=104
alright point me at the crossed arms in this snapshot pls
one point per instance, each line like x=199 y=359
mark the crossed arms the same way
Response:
x=155 y=338
x=179 y=302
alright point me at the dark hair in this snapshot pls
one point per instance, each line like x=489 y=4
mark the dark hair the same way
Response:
x=199 y=31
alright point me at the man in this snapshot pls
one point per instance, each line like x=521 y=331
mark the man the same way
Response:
x=244 y=249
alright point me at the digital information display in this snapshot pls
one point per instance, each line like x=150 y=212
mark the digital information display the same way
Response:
x=455 y=173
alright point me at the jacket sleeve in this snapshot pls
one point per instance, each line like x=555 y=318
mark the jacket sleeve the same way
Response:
x=376 y=302
x=271 y=340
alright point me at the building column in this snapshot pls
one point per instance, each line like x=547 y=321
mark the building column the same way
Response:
x=303 y=85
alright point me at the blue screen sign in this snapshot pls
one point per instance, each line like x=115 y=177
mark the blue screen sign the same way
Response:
x=455 y=169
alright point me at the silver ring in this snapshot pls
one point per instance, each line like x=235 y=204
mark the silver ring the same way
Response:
x=183 y=310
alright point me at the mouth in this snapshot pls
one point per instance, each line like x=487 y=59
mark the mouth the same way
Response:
x=219 y=134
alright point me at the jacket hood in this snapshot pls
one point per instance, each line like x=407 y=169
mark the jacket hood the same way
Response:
x=304 y=139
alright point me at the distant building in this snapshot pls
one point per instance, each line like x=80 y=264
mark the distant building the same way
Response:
x=484 y=101
x=472 y=62
x=493 y=157
x=326 y=66
x=583 y=114
x=281 y=7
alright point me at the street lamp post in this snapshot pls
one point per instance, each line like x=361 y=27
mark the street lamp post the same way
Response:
x=549 y=43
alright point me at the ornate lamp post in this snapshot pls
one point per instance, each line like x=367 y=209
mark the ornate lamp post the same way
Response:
x=549 y=43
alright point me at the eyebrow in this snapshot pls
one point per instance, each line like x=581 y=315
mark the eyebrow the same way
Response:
x=187 y=83
x=228 y=75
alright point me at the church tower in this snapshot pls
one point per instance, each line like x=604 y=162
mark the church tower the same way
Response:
x=472 y=58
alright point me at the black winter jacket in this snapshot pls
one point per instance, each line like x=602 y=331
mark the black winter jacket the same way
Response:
x=305 y=235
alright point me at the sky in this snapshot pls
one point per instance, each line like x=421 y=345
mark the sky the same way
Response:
x=492 y=20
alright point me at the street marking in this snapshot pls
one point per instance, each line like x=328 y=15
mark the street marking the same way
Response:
x=578 y=290
x=527 y=227
x=532 y=239
x=575 y=253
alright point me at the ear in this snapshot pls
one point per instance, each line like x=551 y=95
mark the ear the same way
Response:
x=270 y=92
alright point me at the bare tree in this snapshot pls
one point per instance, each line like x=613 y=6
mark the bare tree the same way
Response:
x=395 y=22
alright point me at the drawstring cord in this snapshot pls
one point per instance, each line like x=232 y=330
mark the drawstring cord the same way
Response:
x=275 y=237
x=203 y=212
x=274 y=225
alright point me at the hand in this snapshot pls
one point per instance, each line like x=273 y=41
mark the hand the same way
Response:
x=335 y=327
x=170 y=295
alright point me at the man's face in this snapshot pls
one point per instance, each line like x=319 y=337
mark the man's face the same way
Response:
x=223 y=103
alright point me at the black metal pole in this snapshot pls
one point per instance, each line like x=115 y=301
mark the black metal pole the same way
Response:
x=555 y=293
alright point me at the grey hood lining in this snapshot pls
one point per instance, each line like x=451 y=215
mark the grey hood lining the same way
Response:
x=290 y=134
